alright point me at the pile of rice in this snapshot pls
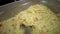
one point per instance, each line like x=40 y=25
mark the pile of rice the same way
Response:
x=42 y=20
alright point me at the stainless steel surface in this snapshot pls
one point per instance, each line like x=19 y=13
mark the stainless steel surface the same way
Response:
x=54 y=5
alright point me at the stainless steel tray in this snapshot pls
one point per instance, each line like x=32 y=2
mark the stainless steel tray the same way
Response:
x=11 y=9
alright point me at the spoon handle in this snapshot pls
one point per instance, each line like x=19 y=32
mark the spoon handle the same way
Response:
x=27 y=30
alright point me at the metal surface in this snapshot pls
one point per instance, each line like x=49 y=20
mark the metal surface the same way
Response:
x=54 y=5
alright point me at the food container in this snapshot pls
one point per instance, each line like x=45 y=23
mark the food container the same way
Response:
x=9 y=11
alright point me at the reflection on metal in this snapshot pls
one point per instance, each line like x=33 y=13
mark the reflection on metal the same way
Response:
x=43 y=1
x=25 y=3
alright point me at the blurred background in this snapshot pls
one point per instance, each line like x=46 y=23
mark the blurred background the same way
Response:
x=53 y=4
